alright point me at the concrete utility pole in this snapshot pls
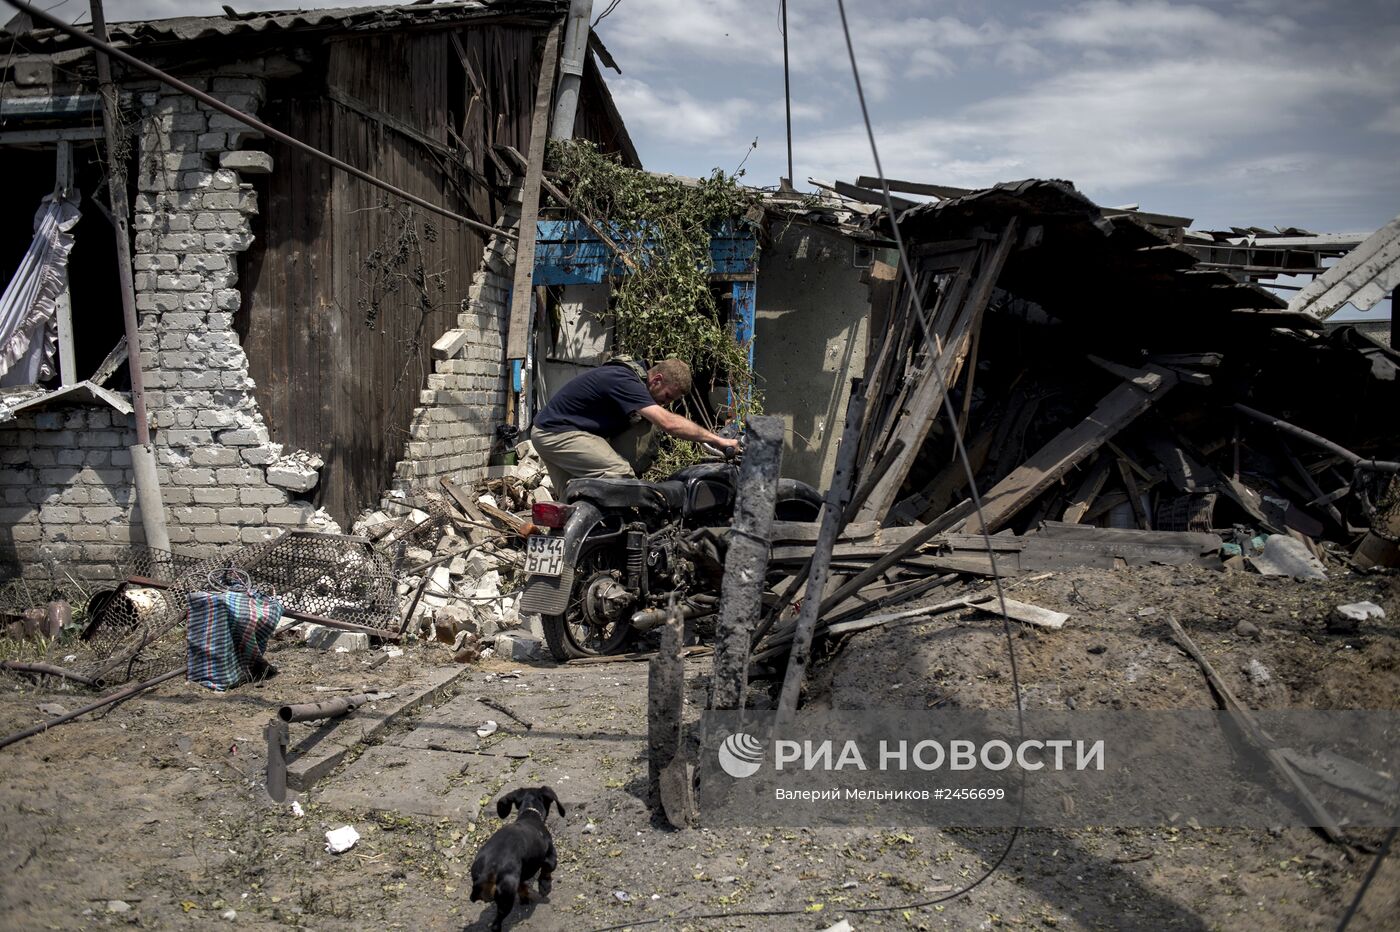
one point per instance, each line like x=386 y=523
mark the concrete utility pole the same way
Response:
x=143 y=455
x=571 y=62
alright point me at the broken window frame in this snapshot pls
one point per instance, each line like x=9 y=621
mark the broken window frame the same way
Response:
x=70 y=388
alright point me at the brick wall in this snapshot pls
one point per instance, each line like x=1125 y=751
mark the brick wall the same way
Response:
x=67 y=478
x=454 y=425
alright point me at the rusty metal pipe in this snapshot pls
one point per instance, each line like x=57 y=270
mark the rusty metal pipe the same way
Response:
x=113 y=699
x=331 y=708
x=1357 y=461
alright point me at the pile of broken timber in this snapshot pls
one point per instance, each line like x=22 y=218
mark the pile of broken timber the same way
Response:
x=1117 y=406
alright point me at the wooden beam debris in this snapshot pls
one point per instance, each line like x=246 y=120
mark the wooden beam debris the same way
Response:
x=1322 y=819
x=1119 y=408
x=518 y=333
x=1026 y=613
x=833 y=514
x=955 y=318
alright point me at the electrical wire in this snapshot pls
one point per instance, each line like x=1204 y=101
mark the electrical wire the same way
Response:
x=936 y=353
x=603 y=15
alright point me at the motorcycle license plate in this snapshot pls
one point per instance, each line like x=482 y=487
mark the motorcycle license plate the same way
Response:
x=544 y=556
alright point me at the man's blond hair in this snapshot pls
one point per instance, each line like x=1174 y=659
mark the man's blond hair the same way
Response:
x=675 y=372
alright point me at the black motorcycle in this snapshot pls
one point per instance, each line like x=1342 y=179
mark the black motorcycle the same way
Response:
x=618 y=549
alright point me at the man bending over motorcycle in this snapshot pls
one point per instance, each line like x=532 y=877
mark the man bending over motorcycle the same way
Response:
x=600 y=425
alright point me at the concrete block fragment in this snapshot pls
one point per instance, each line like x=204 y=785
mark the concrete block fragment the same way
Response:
x=293 y=477
x=1348 y=618
x=518 y=646
x=332 y=639
x=247 y=162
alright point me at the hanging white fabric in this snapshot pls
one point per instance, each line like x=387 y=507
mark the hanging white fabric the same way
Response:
x=28 y=328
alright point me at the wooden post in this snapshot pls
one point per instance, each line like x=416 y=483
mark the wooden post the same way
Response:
x=518 y=335
x=68 y=370
x=746 y=563
x=833 y=515
x=665 y=704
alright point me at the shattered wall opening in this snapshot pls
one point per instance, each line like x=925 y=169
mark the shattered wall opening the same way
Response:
x=92 y=263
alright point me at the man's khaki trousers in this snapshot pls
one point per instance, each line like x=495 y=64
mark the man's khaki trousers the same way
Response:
x=577 y=454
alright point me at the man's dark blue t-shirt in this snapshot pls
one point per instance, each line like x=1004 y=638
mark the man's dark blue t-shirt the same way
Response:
x=600 y=402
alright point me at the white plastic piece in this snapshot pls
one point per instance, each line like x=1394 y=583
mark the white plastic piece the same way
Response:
x=342 y=839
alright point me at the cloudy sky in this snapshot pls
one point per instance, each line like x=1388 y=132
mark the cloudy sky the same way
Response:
x=1233 y=112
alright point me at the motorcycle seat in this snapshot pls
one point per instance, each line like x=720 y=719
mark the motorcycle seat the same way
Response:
x=627 y=493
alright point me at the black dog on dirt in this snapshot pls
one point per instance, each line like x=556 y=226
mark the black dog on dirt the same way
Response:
x=516 y=852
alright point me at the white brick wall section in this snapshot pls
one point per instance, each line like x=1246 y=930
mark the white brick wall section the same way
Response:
x=66 y=489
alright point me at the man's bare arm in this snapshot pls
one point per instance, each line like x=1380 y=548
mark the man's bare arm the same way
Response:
x=683 y=427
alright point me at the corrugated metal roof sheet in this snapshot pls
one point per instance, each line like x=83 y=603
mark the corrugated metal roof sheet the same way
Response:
x=1362 y=277
x=192 y=28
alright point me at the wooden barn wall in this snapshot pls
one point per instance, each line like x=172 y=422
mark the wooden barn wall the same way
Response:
x=328 y=381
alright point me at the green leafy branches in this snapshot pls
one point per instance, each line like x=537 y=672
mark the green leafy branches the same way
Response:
x=664 y=306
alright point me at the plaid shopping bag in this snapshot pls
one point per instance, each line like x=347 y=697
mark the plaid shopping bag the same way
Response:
x=226 y=636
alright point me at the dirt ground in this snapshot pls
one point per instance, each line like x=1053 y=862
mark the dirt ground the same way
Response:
x=155 y=815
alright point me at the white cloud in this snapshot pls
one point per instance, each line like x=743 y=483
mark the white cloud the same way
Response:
x=1106 y=128
x=1158 y=25
x=1388 y=121
x=677 y=115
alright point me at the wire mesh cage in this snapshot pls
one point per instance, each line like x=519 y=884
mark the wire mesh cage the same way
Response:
x=328 y=575
x=134 y=629
x=131 y=630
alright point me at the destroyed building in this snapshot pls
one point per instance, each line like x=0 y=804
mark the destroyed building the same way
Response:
x=287 y=311
x=315 y=346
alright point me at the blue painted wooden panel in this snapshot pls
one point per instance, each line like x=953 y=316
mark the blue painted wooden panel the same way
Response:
x=567 y=253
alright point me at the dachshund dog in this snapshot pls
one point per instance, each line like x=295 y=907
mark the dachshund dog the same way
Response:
x=516 y=852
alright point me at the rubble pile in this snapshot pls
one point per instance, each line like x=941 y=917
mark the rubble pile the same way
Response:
x=458 y=556
x=1118 y=403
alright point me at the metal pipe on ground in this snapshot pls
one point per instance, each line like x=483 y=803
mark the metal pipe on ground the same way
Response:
x=331 y=708
x=113 y=699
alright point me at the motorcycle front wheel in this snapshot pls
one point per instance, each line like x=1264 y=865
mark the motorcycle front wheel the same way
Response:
x=573 y=635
